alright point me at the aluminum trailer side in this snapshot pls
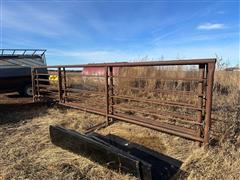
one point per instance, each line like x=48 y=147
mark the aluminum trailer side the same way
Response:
x=15 y=69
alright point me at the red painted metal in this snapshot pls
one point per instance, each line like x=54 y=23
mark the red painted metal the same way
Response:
x=96 y=71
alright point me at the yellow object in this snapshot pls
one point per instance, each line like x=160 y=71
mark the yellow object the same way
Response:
x=53 y=78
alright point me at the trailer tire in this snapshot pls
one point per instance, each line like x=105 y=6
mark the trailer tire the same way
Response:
x=26 y=91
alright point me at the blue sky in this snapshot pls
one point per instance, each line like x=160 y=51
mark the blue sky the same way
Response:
x=76 y=32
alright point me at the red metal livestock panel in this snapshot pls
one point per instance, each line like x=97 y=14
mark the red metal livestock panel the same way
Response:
x=169 y=96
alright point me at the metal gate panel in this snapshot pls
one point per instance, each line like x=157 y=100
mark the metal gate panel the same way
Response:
x=169 y=96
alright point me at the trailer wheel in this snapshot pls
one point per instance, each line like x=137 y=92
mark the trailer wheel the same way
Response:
x=26 y=91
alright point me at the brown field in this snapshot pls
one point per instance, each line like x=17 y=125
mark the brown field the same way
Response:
x=27 y=153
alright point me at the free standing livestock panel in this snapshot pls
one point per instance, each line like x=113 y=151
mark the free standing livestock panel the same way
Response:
x=174 y=97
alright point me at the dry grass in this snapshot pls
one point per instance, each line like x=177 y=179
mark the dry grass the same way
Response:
x=213 y=163
x=26 y=151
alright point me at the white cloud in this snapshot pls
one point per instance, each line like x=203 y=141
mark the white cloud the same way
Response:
x=210 y=26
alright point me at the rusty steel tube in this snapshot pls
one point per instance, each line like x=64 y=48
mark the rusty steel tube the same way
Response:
x=38 y=88
x=200 y=98
x=173 y=104
x=33 y=85
x=133 y=64
x=107 y=95
x=167 y=125
x=40 y=74
x=60 y=84
x=186 y=118
x=164 y=79
x=65 y=84
x=210 y=77
x=80 y=98
x=161 y=115
x=111 y=90
x=159 y=128
x=84 y=108
x=186 y=93
x=84 y=91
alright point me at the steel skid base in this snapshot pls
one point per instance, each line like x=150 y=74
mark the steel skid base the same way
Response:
x=116 y=153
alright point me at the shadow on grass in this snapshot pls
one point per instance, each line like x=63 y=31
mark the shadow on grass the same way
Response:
x=11 y=113
x=17 y=96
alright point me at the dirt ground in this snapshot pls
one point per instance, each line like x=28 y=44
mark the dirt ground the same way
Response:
x=27 y=153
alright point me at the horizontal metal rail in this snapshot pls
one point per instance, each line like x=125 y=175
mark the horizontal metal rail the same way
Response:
x=82 y=98
x=187 y=93
x=42 y=74
x=160 y=78
x=31 y=52
x=164 y=103
x=44 y=86
x=168 y=115
x=161 y=128
x=90 y=76
x=84 y=108
x=137 y=64
x=158 y=123
x=44 y=80
x=162 y=117
x=83 y=91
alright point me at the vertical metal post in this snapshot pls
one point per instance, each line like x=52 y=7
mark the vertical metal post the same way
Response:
x=33 y=83
x=59 y=84
x=65 y=84
x=107 y=95
x=38 y=88
x=111 y=90
x=210 y=77
x=200 y=99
